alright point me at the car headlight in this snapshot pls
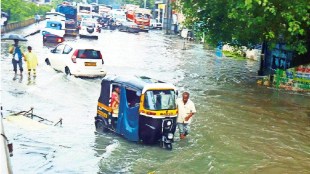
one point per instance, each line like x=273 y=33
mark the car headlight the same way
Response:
x=170 y=136
x=169 y=123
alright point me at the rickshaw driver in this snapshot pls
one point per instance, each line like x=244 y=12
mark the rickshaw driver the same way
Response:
x=115 y=101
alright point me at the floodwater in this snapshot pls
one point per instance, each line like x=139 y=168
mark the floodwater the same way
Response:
x=239 y=127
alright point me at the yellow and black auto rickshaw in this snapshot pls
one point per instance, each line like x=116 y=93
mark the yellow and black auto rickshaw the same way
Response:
x=146 y=110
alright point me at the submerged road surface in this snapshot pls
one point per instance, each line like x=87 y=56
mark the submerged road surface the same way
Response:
x=239 y=127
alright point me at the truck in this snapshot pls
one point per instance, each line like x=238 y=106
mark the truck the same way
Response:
x=70 y=13
x=140 y=16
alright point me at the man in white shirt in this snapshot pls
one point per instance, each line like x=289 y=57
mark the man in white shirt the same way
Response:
x=186 y=110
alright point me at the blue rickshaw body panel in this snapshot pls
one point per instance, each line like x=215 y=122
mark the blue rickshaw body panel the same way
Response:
x=128 y=121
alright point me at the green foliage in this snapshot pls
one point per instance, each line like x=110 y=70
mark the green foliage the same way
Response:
x=21 y=10
x=250 y=22
x=234 y=55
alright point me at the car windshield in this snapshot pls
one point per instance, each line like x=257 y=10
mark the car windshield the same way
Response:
x=88 y=24
x=146 y=16
x=139 y=15
x=89 y=54
x=159 y=100
x=84 y=8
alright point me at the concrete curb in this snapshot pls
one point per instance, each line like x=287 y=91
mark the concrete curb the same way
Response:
x=16 y=25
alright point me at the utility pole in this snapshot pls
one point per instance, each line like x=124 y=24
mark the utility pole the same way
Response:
x=144 y=3
x=167 y=17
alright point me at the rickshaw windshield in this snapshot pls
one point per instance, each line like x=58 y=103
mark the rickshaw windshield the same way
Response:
x=159 y=100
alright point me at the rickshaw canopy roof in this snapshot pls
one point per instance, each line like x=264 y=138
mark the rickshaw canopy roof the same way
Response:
x=140 y=83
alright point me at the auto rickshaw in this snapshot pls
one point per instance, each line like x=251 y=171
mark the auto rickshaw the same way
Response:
x=147 y=109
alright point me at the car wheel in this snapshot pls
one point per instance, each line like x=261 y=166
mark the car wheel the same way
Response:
x=47 y=62
x=67 y=71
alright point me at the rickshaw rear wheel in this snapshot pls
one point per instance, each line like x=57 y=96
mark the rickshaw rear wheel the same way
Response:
x=101 y=126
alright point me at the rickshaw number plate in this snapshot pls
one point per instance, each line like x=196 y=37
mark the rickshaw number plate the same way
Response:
x=90 y=63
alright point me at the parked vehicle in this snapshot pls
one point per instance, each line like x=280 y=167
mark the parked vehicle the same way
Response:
x=140 y=16
x=154 y=24
x=129 y=27
x=74 y=59
x=70 y=13
x=147 y=110
x=89 y=28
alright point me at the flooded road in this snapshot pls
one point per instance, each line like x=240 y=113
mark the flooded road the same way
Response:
x=239 y=127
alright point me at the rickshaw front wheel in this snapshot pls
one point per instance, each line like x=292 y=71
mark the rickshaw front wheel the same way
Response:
x=167 y=146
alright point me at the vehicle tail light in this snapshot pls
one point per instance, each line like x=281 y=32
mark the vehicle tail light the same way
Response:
x=59 y=39
x=73 y=58
x=100 y=56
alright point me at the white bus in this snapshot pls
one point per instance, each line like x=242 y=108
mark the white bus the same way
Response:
x=84 y=11
x=118 y=15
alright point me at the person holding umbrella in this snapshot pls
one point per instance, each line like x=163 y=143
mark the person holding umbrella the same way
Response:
x=17 y=53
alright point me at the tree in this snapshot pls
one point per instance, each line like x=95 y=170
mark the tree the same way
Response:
x=21 y=10
x=250 y=22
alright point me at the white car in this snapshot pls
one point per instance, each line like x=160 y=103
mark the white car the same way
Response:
x=89 y=28
x=77 y=60
x=154 y=24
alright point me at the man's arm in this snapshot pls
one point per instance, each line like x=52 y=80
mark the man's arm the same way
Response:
x=189 y=116
x=193 y=111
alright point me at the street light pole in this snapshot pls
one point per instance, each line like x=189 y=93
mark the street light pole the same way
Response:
x=144 y=3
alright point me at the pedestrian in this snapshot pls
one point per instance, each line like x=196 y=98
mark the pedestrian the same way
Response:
x=186 y=110
x=17 y=53
x=37 y=18
x=32 y=62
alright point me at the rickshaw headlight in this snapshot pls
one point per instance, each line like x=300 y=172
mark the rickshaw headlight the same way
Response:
x=170 y=136
x=169 y=123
